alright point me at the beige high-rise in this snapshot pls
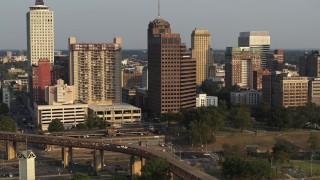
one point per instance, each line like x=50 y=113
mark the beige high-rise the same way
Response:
x=95 y=72
x=40 y=33
x=202 y=52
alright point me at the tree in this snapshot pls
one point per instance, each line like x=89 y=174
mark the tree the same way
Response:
x=280 y=117
x=81 y=126
x=314 y=141
x=7 y=124
x=240 y=117
x=55 y=126
x=156 y=169
x=81 y=176
x=4 y=109
x=283 y=150
x=249 y=169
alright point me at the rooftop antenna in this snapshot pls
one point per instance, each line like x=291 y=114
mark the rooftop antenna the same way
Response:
x=158 y=8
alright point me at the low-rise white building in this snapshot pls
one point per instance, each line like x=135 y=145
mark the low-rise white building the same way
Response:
x=117 y=115
x=70 y=115
x=247 y=97
x=203 y=100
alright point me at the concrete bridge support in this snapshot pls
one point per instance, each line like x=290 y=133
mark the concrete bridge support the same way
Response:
x=98 y=161
x=66 y=155
x=136 y=165
x=11 y=150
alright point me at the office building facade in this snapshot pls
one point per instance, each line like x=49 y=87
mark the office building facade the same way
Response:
x=202 y=52
x=40 y=33
x=240 y=64
x=256 y=39
x=172 y=71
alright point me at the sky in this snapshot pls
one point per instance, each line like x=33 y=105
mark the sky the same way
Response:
x=293 y=24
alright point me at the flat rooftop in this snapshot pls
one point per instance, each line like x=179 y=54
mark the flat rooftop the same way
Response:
x=117 y=106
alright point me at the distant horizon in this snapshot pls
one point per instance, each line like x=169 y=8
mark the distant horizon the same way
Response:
x=102 y=20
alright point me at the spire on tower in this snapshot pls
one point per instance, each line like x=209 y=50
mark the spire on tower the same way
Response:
x=39 y=2
x=158 y=8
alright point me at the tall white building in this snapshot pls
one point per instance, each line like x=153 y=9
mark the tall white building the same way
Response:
x=27 y=165
x=40 y=33
x=202 y=52
x=256 y=39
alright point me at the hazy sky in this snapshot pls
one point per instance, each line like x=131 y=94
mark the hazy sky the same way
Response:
x=293 y=24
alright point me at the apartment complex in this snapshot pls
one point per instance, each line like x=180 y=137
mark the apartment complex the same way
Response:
x=202 y=52
x=40 y=33
x=240 y=64
x=172 y=71
x=95 y=72
x=256 y=39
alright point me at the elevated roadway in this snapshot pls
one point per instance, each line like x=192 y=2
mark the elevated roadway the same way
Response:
x=176 y=167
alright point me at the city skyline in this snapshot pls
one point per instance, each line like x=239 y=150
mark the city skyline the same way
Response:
x=289 y=30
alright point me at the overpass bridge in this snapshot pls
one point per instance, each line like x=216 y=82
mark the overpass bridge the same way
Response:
x=176 y=167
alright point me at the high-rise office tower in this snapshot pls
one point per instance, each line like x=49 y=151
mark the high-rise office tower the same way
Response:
x=202 y=52
x=95 y=71
x=256 y=39
x=40 y=33
x=275 y=60
x=240 y=64
x=172 y=71
x=310 y=64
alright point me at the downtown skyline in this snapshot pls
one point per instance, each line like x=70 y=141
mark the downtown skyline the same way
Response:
x=288 y=27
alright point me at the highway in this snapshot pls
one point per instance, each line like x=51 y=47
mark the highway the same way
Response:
x=177 y=167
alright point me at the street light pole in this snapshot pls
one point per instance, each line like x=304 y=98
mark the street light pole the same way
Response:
x=311 y=164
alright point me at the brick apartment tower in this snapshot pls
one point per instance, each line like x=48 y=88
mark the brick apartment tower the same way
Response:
x=41 y=77
x=172 y=71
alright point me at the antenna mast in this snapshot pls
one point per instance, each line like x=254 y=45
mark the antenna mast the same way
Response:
x=158 y=8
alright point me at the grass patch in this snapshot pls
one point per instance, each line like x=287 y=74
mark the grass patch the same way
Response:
x=306 y=166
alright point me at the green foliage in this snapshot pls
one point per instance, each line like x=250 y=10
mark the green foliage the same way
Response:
x=249 y=169
x=55 y=126
x=203 y=123
x=81 y=176
x=156 y=169
x=81 y=126
x=95 y=122
x=314 y=141
x=240 y=117
x=4 y=110
x=283 y=150
x=118 y=178
x=7 y=124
